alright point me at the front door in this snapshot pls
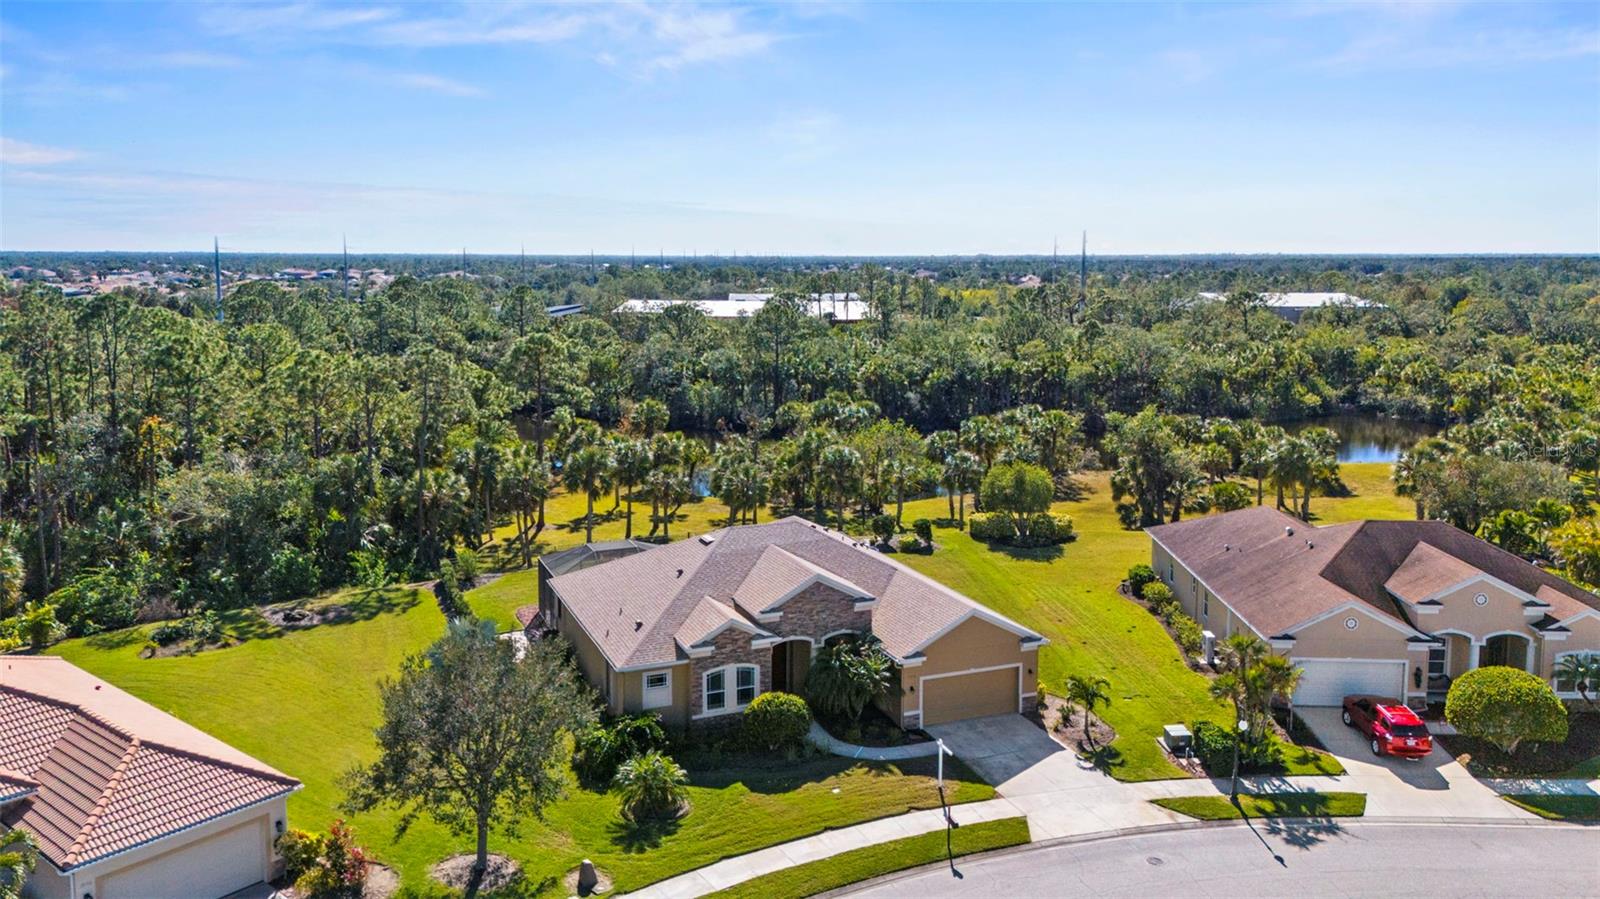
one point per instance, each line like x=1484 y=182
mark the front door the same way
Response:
x=1510 y=650
x=791 y=660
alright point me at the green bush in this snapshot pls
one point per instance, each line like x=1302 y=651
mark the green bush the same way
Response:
x=1505 y=706
x=371 y=569
x=883 y=527
x=1138 y=576
x=1213 y=746
x=468 y=568
x=775 y=721
x=38 y=624
x=203 y=628
x=923 y=528
x=602 y=747
x=909 y=544
x=1188 y=633
x=448 y=588
x=650 y=785
x=291 y=572
x=987 y=527
x=328 y=864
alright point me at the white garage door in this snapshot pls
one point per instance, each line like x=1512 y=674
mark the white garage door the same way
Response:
x=207 y=868
x=1329 y=681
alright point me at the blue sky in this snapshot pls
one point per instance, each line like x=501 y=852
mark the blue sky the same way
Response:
x=801 y=128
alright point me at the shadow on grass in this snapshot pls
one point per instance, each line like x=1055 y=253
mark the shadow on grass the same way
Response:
x=1104 y=758
x=128 y=636
x=634 y=837
x=1028 y=553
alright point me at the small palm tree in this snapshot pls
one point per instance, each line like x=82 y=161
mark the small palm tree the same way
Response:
x=18 y=856
x=1086 y=693
x=649 y=785
x=1583 y=671
x=1240 y=652
x=588 y=470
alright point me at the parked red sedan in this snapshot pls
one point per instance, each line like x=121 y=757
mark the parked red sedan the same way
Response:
x=1390 y=728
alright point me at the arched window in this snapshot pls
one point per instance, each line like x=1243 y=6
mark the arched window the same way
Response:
x=729 y=688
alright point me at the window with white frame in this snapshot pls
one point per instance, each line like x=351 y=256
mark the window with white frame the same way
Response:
x=744 y=681
x=658 y=688
x=1438 y=659
x=1564 y=683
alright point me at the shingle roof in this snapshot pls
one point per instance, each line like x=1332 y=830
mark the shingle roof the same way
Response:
x=706 y=620
x=776 y=575
x=663 y=586
x=1277 y=580
x=1426 y=571
x=112 y=772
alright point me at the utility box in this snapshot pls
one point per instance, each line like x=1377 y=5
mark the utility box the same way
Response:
x=1177 y=738
x=1208 y=647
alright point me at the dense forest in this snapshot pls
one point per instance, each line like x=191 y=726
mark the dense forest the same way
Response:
x=163 y=456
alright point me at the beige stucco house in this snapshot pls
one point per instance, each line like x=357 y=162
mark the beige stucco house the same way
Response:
x=1397 y=608
x=124 y=800
x=695 y=630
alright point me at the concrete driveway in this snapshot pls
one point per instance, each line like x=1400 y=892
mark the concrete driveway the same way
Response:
x=1008 y=751
x=1434 y=785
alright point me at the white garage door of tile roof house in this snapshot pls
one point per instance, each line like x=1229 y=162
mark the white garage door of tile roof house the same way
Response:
x=1329 y=681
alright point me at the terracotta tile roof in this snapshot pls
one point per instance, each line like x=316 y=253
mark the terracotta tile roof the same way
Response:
x=1276 y=579
x=663 y=586
x=1428 y=570
x=111 y=771
x=13 y=785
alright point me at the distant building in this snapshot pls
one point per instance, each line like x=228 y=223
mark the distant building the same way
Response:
x=563 y=310
x=1292 y=305
x=840 y=308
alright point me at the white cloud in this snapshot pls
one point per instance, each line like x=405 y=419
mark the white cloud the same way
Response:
x=1483 y=48
x=16 y=152
x=436 y=84
x=195 y=59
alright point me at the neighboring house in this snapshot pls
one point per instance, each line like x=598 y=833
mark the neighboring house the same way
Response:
x=126 y=801
x=1291 y=306
x=695 y=630
x=1396 y=608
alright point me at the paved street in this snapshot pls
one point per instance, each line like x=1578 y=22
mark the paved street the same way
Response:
x=1266 y=859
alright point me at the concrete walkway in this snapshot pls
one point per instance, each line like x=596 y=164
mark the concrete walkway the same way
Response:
x=1062 y=796
x=827 y=743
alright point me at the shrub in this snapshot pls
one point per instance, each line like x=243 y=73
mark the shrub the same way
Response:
x=448 y=588
x=371 y=569
x=650 y=785
x=603 y=747
x=291 y=572
x=986 y=527
x=848 y=675
x=38 y=624
x=909 y=544
x=468 y=568
x=1138 y=576
x=1213 y=746
x=1157 y=594
x=330 y=864
x=923 y=528
x=1505 y=706
x=203 y=628
x=1188 y=633
x=776 y=721
x=1227 y=496
x=1019 y=490
x=883 y=527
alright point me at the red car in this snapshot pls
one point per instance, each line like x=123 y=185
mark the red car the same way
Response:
x=1390 y=728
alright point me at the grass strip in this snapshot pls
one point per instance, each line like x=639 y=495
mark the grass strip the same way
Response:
x=857 y=865
x=1559 y=808
x=1269 y=805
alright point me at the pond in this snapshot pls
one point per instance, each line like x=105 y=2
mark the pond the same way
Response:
x=1368 y=437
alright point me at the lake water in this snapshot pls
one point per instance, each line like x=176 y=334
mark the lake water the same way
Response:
x=1369 y=438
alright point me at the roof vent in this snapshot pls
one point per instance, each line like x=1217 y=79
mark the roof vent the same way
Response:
x=680 y=573
x=637 y=624
x=707 y=539
x=1288 y=531
x=1227 y=547
x=1310 y=545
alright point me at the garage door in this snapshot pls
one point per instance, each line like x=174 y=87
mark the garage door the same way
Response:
x=1329 y=681
x=206 y=868
x=975 y=695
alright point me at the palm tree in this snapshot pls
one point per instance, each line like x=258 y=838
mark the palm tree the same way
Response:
x=903 y=472
x=528 y=485
x=667 y=489
x=589 y=470
x=840 y=469
x=1583 y=671
x=963 y=472
x=632 y=467
x=1086 y=693
x=19 y=853
x=1240 y=652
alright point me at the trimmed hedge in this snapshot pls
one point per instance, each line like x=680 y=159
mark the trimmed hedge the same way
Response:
x=1138 y=576
x=1044 y=529
x=776 y=721
x=1190 y=636
x=1505 y=706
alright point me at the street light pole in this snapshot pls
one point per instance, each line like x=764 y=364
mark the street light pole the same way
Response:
x=1238 y=735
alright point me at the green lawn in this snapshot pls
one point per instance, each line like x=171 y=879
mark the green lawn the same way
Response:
x=1560 y=808
x=306 y=702
x=884 y=858
x=1271 y=805
x=1069 y=594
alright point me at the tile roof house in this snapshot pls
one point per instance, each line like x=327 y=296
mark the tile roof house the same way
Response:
x=1397 y=608
x=696 y=629
x=124 y=799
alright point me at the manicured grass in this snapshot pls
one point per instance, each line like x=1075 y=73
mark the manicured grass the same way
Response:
x=1575 y=757
x=1068 y=593
x=1269 y=805
x=306 y=702
x=1560 y=808
x=857 y=865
